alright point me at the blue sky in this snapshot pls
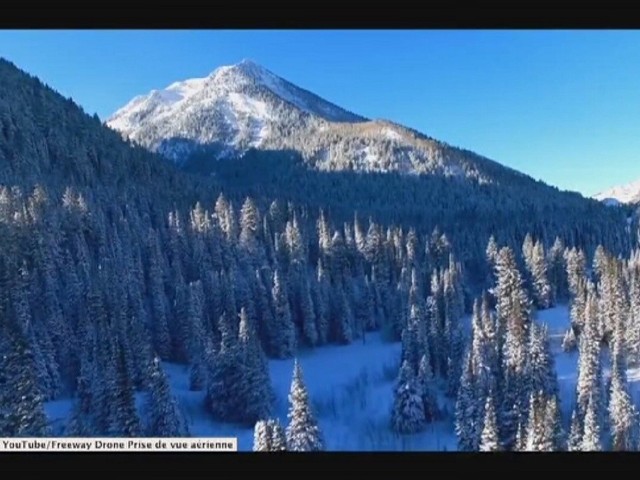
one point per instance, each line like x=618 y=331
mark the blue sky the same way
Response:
x=562 y=106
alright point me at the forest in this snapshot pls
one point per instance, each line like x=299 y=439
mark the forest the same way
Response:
x=114 y=261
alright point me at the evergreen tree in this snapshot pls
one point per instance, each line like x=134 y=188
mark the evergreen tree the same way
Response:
x=575 y=433
x=589 y=363
x=197 y=373
x=269 y=436
x=226 y=380
x=591 y=439
x=258 y=395
x=303 y=433
x=426 y=386
x=489 y=437
x=622 y=414
x=408 y=414
x=282 y=333
x=537 y=265
x=553 y=425
x=22 y=407
x=123 y=421
x=468 y=413
x=278 y=436
x=165 y=417
x=513 y=311
x=262 y=437
x=557 y=271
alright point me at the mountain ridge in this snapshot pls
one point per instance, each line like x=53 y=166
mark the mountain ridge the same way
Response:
x=626 y=193
x=244 y=106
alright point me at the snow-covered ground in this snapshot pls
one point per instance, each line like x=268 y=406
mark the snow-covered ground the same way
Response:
x=351 y=388
x=352 y=391
x=557 y=320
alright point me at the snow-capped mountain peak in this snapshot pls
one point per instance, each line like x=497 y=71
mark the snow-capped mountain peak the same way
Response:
x=629 y=193
x=243 y=106
x=239 y=106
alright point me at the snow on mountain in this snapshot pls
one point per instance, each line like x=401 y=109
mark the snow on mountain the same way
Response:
x=237 y=106
x=629 y=193
x=246 y=106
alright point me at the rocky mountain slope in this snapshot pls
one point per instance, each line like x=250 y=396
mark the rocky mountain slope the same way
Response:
x=245 y=106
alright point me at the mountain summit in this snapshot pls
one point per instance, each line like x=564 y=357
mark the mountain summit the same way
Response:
x=628 y=193
x=239 y=106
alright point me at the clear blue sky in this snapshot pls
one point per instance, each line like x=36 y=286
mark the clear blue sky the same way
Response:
x=562 y=106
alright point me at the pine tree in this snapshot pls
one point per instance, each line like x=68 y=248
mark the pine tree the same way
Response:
x=278 y=436
x=303 y=433
x=408 y=414
x=165 y=417
x=282 y=333
x=513 y=312
x=574 y=443
x=22 y=412
x=226 y=380
x=591 y=439
x=589 y=362
x=537 y=264
x=468 y=413
x=541 y=372
x=426 y=386
x=489 y=437
x=124 y=421
x=262 y=437
x=197 y=373
x=269 y=436
x=622 y=414
x=557 y=271
x=539 y=437
x=553 y=424
x=258 y=395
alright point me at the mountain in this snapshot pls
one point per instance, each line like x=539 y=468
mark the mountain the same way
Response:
x=285 y=143
x=629 y=193
x=122 y=276
x=240 y=106
x=245 y=106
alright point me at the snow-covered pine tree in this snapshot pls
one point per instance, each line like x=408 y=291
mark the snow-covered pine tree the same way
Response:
x=343 y=320
x=226 y=380
x=269 y=436
x=514 y=314
x=408 y=414
x=278 y=436
x=553 y=424
x=577 y=279
x=591 y=438
x=197 y=372
x=469 y=413
x=262 y=437
x=282 y=334
x=540 y=368
x=22 y=407
x=124 y=420
x=538 y=437
x=427 y=389
x=589 y=361
x=542 y=291
x=491 y=254
x=622 y=415
x=557 y=271
x=574 y=442
x=303 y=433
x=489 y=437
x=258 y=395
x=165 y=419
